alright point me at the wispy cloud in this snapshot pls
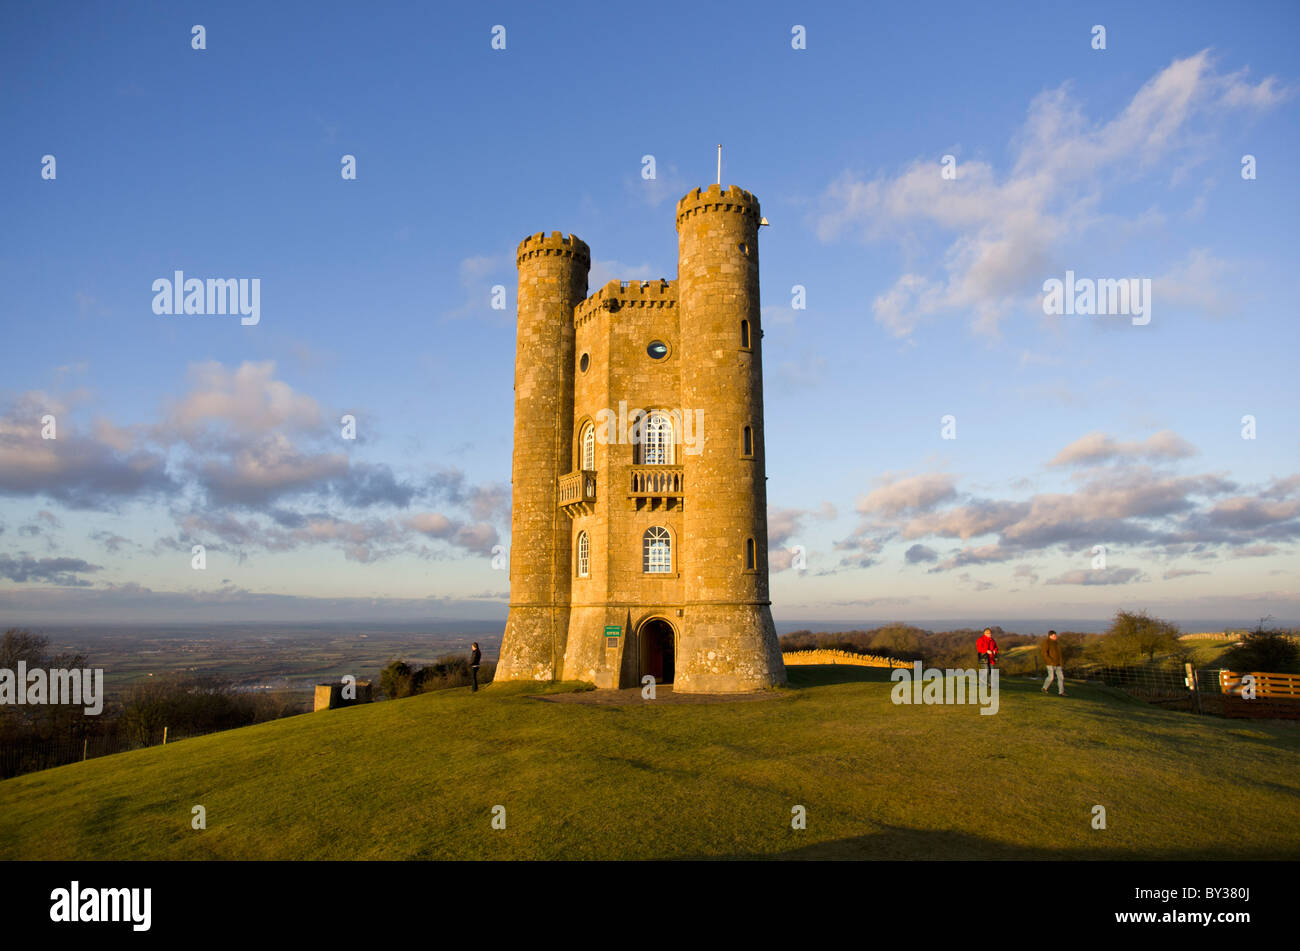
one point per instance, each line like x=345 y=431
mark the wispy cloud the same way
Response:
x=1002 y=228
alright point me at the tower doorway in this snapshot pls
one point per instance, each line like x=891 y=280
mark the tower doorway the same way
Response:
x=658 y=656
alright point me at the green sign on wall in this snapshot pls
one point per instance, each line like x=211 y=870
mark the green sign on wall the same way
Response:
x=613 y=630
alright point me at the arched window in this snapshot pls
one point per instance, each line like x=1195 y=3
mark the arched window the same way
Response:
x=588 y=447
x=584 y=551
x=657 y=548
x=744 y=333
x=747 y=441
x=749 y=554
x=657 y=440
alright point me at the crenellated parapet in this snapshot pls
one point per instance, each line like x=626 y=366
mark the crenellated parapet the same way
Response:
x=616 y=295
x=732 y=199
x=557 y=243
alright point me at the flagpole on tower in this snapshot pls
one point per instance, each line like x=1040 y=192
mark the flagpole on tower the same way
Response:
x=719 y=163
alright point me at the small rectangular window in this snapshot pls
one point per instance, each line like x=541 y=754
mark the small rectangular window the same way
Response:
x=748 y=441
x=749 y=554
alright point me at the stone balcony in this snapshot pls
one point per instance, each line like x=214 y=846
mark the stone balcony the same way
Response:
x=658 y=487
x=576 y=492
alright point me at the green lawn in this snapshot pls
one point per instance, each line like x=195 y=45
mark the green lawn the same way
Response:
x=418 y=778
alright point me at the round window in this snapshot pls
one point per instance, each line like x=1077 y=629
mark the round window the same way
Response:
x=657 y=350
x=584 y=362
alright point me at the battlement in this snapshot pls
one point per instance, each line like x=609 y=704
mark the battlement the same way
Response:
x=619 y=294
x=716 y=198
x=539 y=244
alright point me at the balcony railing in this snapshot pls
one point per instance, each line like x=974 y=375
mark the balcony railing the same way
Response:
x=576 y=492
x=658 y=482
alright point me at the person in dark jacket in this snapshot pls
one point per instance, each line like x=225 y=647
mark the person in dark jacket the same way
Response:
x=1053 y=657
x=986 y=649
x=475 y=657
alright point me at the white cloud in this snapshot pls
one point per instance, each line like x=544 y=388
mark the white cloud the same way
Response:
x=1002 y=231
x=1097 y=447
x=1197 y=284
x=908 y=493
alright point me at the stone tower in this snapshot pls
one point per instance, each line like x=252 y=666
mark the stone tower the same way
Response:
x=640 y=503
x=552 y=281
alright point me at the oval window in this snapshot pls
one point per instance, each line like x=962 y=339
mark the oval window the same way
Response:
x=584 y=363
x=657 y=350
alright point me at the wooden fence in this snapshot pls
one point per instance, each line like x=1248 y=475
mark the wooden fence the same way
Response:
x=1271 y=686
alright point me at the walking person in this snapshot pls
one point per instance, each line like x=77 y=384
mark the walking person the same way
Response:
x=1053 y=658
x=986 y=649
x=475 y=657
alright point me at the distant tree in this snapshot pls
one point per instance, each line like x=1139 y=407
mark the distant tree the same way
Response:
x=897 y=640
x=798 y=641
x=144 y=712
x=46 y=720
x=1135 y=634
x=18 y=644
x=1268 y=650
x=275 y=704
x=397 y=680
x=450 y=670
x=1073 y=644
x=186 y=706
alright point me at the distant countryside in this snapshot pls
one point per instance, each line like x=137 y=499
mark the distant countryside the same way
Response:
x=164 y=685
x=1144 y=746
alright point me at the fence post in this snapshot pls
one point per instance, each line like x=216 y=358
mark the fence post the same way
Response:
x=1192 y=684
x=164 y=736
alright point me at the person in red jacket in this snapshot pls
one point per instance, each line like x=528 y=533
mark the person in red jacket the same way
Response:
x=987 y=648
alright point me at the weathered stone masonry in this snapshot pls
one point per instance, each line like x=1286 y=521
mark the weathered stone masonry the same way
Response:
x=704 y=618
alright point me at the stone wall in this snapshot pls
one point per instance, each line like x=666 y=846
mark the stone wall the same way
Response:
x=809 y=657
x=330 y=696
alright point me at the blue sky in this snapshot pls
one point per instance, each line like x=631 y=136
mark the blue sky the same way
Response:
x=924 y=295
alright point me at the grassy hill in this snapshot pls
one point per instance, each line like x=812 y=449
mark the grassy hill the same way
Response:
x=418 y=778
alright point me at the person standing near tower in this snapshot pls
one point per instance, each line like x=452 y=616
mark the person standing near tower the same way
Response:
x=475 y=657
x=986 y=649
x=1053 y=658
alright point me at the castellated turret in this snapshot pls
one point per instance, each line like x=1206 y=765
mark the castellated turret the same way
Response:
x=552 y=281
x=639 y=526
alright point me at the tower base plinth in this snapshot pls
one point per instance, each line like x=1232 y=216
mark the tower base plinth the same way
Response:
x=532 y=644
x=728 y=649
